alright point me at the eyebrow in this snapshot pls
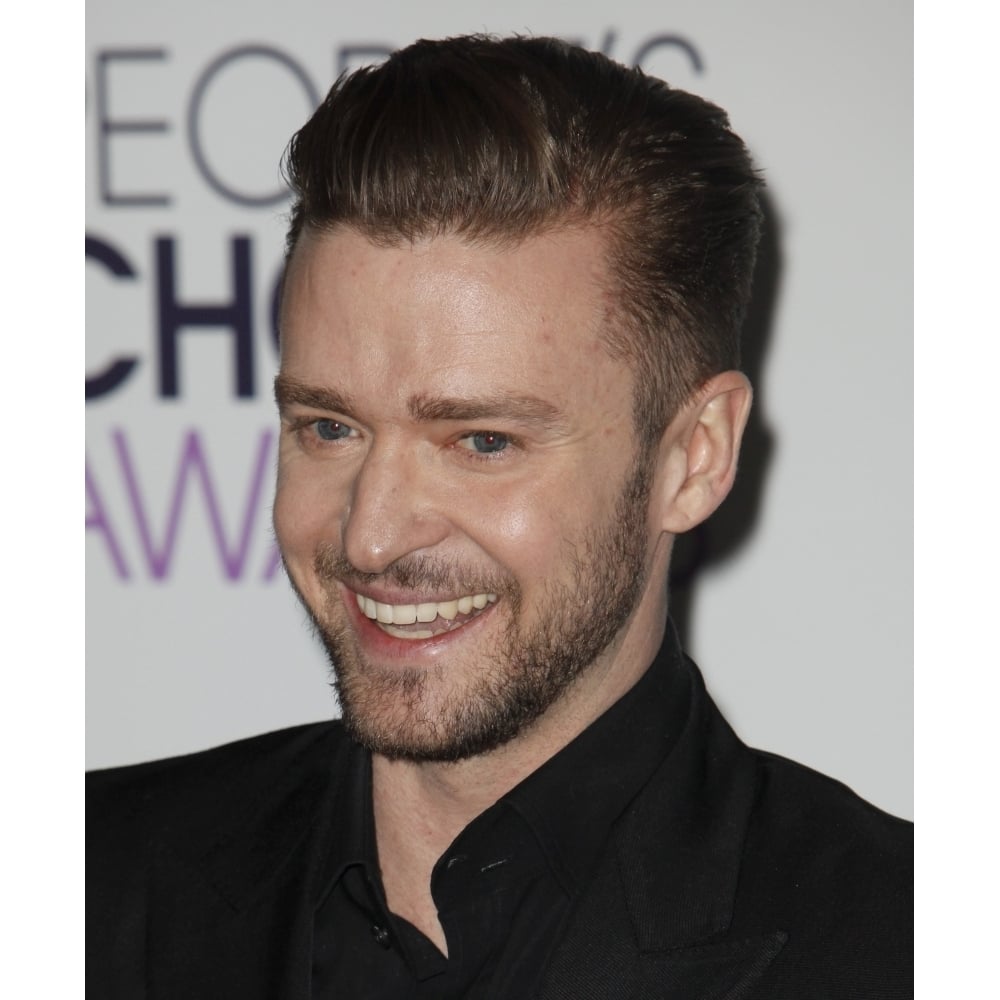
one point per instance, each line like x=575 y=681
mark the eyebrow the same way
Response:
x=289 y=391
x=497 y=406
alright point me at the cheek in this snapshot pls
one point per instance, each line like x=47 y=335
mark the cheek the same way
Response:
x=510 y=528
x=288 y=525
x=305 y=514
x=525 y=530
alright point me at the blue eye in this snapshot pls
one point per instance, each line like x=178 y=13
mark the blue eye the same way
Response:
x=488 y=442
x=331 y=430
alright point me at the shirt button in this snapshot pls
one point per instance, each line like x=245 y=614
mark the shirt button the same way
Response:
x=381 y=936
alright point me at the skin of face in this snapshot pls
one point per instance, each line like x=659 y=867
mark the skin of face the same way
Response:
x=454 y=427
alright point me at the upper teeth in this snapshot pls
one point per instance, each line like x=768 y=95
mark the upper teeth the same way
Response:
x=407 y=614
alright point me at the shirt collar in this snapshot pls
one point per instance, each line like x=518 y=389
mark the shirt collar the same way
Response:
x=352 y=830
x=572 y=801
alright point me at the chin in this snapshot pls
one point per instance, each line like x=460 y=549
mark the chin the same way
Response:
x=425 y=714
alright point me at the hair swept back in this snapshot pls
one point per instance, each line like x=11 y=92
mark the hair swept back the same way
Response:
x=498 y=139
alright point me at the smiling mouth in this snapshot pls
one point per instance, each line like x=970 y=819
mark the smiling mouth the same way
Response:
x=424 y=621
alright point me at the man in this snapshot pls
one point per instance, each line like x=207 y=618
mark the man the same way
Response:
x=509 y=379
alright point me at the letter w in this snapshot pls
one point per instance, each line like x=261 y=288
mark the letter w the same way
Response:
x=193 y=462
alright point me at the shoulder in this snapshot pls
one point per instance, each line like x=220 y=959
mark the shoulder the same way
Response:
x=170 y=842
x=181 y=796
x=822 y=829
x=268 y=750
x=792 y=793
x=833 y=871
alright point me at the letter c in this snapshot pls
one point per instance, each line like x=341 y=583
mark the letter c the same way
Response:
x=120 y=368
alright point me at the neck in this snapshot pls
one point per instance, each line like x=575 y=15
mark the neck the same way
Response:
x=421 y=807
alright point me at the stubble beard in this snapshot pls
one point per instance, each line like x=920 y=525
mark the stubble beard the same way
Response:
x=421 y=714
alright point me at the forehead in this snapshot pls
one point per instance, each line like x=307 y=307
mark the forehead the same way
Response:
x=446 y=316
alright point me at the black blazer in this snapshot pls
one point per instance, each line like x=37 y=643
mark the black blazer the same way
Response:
x=734 y=874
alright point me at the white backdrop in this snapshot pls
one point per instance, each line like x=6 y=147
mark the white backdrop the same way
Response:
x=801 y=618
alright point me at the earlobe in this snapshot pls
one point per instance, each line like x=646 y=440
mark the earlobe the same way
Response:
x=703 y=446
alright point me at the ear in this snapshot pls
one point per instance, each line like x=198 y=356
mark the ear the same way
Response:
x=700 y=449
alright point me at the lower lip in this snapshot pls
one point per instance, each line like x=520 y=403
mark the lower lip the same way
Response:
x=380 y=643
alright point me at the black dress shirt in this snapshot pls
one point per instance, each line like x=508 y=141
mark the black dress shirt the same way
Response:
x=507 y=883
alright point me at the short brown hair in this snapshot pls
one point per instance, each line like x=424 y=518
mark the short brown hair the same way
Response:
x=498 y=139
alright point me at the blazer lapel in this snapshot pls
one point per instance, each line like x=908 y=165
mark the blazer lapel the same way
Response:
x=202 y=947
x=723 y=971
x=598 y=958
x=653 y=923
x=232 y=915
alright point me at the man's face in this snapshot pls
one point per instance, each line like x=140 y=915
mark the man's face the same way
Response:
x=460 y=503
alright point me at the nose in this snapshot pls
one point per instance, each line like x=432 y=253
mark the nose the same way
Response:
x=393 y=511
